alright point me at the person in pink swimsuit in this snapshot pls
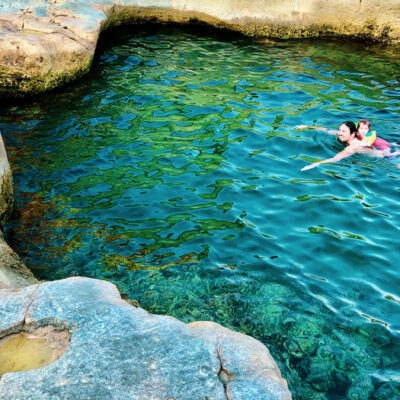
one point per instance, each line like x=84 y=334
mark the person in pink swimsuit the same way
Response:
x=363 y=127
x=348 y=134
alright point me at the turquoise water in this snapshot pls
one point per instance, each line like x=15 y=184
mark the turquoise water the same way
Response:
x=173 y=170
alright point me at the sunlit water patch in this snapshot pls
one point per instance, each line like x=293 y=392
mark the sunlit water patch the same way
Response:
x=173 y=170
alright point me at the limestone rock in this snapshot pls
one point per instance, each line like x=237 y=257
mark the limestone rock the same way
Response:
x=237 y=361
x=121 y=352
x=14 y=304
x=13 y=272
x=6 y=187
x=44 y=44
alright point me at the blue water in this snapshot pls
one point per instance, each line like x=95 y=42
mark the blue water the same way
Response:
x=173 y=170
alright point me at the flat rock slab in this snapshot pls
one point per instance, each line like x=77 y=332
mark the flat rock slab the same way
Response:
x=118 y=351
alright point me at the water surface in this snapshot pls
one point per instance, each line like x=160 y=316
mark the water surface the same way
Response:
x=173 y=170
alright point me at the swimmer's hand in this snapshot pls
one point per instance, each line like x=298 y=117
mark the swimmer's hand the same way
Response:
x=309 y=167
x=317 y=128
x=302 y=126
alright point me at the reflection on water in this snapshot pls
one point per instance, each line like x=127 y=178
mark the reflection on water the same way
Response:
x=173 y=170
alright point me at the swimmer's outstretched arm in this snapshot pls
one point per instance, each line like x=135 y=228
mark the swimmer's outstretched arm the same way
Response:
x=318 y=128
x=339 y=156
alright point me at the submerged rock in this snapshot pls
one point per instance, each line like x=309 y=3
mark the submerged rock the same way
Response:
x=44 y=44
x=118 y=351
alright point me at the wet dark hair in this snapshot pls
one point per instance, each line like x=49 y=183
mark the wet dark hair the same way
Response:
x=351 y=126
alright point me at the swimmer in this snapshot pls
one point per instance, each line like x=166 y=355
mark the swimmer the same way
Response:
x=347 y=134
x=363 y=127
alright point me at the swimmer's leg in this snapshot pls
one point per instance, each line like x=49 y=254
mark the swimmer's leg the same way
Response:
x=394 y=154
x=388 y=153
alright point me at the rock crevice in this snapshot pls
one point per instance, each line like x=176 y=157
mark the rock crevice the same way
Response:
x=223 y=374
x=30 y=303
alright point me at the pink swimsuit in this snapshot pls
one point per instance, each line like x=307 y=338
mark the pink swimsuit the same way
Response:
x=381 y=144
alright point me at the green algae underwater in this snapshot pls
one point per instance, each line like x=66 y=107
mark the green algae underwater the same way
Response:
x=173 y=170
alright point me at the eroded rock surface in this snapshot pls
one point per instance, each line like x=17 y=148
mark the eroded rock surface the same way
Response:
x=32 y=349
x=44 y=44
x=121 y=352
x=13 y=272
x=6 y=186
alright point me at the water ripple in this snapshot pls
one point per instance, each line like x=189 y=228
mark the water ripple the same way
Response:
x=173 y=170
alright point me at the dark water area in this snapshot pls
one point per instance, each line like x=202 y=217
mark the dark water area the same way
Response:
x=173 y=170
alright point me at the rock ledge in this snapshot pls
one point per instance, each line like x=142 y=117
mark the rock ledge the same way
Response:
x=118 y=351
x=44 y=44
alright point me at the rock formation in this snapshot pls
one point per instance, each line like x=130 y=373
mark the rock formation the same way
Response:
x=13 y=272
x=118 y=351
x=44 y=44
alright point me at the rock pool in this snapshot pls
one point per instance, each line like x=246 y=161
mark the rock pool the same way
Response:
x=173 y=170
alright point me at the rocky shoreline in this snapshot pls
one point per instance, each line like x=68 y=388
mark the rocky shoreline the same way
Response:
x=111 y=349
x=45 y=44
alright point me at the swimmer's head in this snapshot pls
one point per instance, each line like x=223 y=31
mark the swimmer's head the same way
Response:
x=363 y=127
x=347 y=130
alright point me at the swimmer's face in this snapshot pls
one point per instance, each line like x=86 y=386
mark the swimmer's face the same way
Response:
x=363 y=129
x=344 y=133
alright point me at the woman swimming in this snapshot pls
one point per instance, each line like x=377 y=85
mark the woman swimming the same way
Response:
x=347 y=134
